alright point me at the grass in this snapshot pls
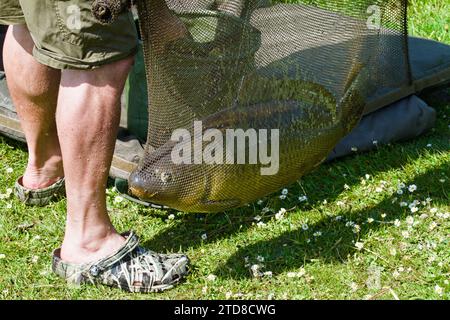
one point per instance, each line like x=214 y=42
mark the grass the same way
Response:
x=351 y=239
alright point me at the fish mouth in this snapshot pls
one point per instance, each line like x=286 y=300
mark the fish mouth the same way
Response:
x=141 y=194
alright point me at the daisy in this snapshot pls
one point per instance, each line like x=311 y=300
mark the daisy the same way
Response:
x=412 y=188
x=211 y=277
x=438 y=290
x=302 y=198
x=284 y=191
x=305 y=226
x=359 y=245
x=204 y=236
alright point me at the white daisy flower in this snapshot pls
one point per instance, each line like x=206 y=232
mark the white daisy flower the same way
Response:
x=118 y=199
x=349 y=224
x=204 y=236
x=401 y=185
x=433 y=210
x=354 y=286
x=397 y=223
x=317 y=234
x=414 y=209
x=285 y=191
x=346 y=187
x=265 y=210
x=359 y=245
x=268 y=274
x=354 y=149
x=171 y=216
x=338 y=218
x=9 y=206
x=379 y=189
x=370 y=220
x=438 y=290
x=374 y=142
x=260 y=202
x=405 y=234
x=396 y=274
x=257 y=218
x=356 y=228
x=302 y=198
x=282 y=197
x=393 y=252
x=260 y=258
x=261 y=224
x=412 y=188
x=400 y=191
x=9 y=170
x=367 y=176
x=403 y=204
x=305 y=226
x=211 y=277
x=432 y=226
x=383 y=215
x=409 y=220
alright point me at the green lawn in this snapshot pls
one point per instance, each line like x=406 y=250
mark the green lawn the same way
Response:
x=353 y=238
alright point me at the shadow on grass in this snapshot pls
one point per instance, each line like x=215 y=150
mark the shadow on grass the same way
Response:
x=291 y=251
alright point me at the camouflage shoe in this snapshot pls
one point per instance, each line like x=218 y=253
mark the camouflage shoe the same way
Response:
x=132 y=268
x=39 y=197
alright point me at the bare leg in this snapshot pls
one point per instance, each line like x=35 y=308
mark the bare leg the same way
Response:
x=34 y=90
x=87 y=116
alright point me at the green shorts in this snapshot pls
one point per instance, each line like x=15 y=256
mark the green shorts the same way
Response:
x=66 y=34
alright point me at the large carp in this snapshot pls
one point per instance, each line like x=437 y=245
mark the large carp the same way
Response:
x=307 y=133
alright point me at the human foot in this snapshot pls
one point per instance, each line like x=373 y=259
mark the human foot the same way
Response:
x=130 y=268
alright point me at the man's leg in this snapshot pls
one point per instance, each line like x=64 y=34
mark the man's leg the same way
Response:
x=34 y=90
x=87 y=117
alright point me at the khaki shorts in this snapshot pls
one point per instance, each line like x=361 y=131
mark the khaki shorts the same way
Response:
x=66 y=34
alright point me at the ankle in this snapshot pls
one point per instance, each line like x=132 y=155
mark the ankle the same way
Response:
x=90 y=247
x=41 y=174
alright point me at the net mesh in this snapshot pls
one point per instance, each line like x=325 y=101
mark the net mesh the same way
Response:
x=294 y=76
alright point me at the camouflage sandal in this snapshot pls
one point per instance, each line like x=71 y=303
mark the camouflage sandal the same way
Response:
x=132 y=268
x=39 y=197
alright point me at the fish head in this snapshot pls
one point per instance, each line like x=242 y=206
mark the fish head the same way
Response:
x=157 y=178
